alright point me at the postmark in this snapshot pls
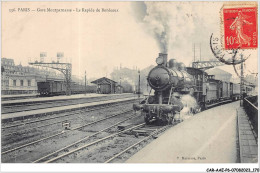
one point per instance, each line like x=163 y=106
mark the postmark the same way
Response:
x=239 y=26
x=228 y=57
x=232 y=57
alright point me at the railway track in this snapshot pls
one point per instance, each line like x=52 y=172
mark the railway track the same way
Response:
x=51 y=117
x=7 y=109
x=31 y=128
x=62 y=132
x=133 y=146
x=18 y=97
x=74 y=147
x=93 y=143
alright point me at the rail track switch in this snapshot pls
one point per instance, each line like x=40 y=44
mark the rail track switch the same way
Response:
x=66 y=125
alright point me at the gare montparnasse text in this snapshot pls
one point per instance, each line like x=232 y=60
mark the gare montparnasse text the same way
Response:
x=57 y=10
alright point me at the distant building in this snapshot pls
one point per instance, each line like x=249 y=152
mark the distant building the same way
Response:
x=107 y=86
x=220 y=74
x=18 y=79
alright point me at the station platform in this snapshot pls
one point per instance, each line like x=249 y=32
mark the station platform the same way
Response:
x=48 y=111
x=18 y=95
x=207 y=137
x=247 y=139
x=58 y=98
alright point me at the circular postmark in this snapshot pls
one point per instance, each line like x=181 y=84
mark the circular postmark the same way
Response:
x=229 y=57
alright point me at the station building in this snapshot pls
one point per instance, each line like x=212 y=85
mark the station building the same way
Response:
x=107 y=86
x=220 y=74
x=18 y=79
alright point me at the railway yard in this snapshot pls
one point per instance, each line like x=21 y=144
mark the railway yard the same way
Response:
x=192 y=106
x=99 y=129
x=106 y=130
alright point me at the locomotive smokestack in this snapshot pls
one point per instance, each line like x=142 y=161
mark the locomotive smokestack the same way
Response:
x=165 y=59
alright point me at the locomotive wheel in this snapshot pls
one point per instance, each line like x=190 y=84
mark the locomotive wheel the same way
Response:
x=161 y=122
x=147 y=119
x=203 y=106
x=169 y=118
x=170 y=121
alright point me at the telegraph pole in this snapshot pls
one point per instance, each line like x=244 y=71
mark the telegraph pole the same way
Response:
x=120 y=86
x=194 y=51
x=85 y=83
x=200 y=51
x=139 y=84
x=241 y=81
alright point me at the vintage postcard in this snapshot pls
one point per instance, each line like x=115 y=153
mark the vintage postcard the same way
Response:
x=129 y=82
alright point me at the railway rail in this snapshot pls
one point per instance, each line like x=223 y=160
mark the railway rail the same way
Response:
x=74 y=146
x=70 y=116
x=28 y=106
x=156 y=132
x=72 y=113
x=82 y=144
x=62 y=132
x=7 y=98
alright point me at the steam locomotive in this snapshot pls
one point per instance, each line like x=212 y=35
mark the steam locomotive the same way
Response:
x=172 y=81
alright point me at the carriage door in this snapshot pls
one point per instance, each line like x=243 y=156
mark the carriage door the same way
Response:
x=221 y=92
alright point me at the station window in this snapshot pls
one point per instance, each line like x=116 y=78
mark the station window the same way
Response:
x=21 y=82
x=14 y=82
x=29 y=82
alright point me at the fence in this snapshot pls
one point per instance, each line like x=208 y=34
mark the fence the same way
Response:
x=250 y=105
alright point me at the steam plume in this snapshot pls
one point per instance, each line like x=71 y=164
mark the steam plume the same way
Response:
x=156 y=21
x=189 y=103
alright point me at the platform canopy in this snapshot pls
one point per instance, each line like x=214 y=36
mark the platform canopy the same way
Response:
x=103 y=80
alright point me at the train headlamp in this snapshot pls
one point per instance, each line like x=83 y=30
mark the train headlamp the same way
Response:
x=159 y=60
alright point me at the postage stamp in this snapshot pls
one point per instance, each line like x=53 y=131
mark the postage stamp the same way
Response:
x=239 y=27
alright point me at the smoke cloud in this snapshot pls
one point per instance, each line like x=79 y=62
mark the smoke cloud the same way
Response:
x=156 y=21
x=177 y=26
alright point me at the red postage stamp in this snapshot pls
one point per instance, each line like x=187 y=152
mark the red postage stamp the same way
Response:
x=240 y=27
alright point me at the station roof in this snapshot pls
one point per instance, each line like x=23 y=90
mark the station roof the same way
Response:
x=193 y=71
x=217 y=71
x=103 y=80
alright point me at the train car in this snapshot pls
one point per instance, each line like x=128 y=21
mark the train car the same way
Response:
x=224 y=90
x=54 y=88
x=171 y=82
x=76 y=88
x=234 y=91
x=212 y=91
x=199 y=77
x=51 y=88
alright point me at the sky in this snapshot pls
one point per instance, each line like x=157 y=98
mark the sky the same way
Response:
x=98 y=42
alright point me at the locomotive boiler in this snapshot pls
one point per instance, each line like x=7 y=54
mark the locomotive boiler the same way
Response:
x=169 y=80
